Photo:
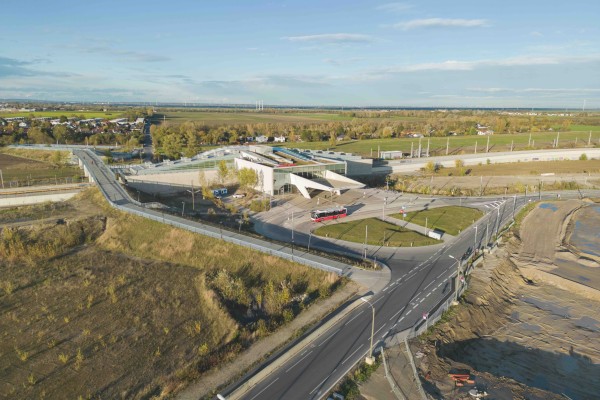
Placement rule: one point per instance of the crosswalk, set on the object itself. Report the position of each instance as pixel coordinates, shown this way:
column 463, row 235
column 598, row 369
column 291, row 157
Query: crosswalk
column 490, row 205
column 493, row 205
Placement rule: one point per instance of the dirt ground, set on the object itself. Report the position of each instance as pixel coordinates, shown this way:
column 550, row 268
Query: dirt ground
column 81, row 316
column 522, row 331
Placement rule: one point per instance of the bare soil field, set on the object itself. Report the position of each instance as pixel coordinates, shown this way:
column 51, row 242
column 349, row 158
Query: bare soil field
column 27, row 168
column 100, row 304
column 523, row 331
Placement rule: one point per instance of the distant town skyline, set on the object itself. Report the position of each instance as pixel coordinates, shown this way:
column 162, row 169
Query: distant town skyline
column 336, row 53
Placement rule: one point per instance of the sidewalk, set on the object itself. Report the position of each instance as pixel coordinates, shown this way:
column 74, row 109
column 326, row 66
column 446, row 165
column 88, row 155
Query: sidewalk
column 417, row 228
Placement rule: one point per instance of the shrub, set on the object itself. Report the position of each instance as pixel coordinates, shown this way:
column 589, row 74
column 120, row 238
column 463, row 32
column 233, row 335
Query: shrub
column 583, row 157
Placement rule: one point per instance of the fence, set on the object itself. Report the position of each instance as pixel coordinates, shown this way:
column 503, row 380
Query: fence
column 196, row 227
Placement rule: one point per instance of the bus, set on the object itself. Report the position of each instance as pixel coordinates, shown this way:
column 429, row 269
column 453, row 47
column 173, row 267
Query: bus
column 324, row 215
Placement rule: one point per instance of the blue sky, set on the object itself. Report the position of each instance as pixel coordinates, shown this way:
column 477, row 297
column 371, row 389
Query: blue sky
column 351, row 53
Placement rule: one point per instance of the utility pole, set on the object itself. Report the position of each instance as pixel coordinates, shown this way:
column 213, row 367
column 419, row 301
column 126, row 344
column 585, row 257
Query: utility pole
column 182, row 208
column 411, row 149
column 540, row 190
column 428, row 147
column 419, row 155
column 514, row 206
column 370, row 360
column 481, row 186
column 426, row 226
column 512, row 143
column 366, row 236
column 447, row 145
column 590, row 139
column 487, row 146
column 475, row 147
column 557, row 136
column 383, row 210
column 309, row 236
column 475, row 239
column 487, row 233
column 2, row 179
column 529, row 143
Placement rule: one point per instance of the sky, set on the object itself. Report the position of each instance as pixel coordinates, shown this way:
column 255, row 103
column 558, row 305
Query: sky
column 525, row 53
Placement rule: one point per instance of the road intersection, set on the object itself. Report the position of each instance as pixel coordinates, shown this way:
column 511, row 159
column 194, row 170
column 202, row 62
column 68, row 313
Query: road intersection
column 413, row 282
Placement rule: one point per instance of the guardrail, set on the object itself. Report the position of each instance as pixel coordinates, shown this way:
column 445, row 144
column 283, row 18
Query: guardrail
column 207, row 231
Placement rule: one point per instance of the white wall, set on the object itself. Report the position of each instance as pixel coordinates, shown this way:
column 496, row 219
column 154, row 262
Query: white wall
column 265, row 174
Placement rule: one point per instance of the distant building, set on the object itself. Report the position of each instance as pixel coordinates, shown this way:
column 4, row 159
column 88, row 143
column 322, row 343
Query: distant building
column 262, row 139
column 279, row 139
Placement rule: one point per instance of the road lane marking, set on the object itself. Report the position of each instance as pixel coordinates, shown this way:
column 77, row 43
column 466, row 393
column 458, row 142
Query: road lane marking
column 354, row 352
column 298, row 362
column 353, row 318
column 319, row 385
column 375, row 302
column 377, row 331
column 329, row 337
column 394, row 316
column 266, row 387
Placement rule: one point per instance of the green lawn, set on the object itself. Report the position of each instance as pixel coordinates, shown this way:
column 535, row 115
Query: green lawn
column 247, row 117
column 71, row 113
column 586, row 128
column 449, row 219
column 354, row 231
column 457, row 144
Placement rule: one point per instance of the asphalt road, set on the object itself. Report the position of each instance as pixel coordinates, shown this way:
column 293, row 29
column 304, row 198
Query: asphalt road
column 419, row 279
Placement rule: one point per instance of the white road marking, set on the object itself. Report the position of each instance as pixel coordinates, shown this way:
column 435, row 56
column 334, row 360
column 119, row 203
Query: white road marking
column 394, row 316
column 288, row 370
column 352, row 319
column 377, row 331
column 352, row 354
column 319, row 385
column 375, row 302
column 329, row 337
column 266, row 387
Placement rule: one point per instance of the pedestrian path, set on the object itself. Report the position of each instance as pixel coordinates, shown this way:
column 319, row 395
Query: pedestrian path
column 417, row 228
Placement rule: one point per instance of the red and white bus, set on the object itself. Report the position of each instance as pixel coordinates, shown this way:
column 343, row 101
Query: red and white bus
column 324, row 215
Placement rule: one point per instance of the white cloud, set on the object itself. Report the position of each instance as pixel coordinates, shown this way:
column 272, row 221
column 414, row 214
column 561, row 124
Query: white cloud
column 394, row 7
column 536, row 90
column 537, row 34
column 332, row 38
column 521, row 61
column 441, row 23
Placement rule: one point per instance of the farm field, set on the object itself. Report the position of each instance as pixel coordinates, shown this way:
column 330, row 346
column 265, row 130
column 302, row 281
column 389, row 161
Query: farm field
column 117, row 306
column 456, row 144
column 528, row 168
column 380, row 233
column 218, row 118
column 451, row 220
column 47, row 167
column 66, row 113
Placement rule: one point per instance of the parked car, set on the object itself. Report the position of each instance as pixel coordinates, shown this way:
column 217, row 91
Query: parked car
column 239, row 195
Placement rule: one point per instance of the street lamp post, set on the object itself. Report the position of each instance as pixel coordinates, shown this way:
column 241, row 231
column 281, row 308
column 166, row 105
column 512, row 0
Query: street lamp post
column 309, row 236
column 383, row 211
column 457, row 276
column 370, row 359
column 475, row 239
column 182, row 208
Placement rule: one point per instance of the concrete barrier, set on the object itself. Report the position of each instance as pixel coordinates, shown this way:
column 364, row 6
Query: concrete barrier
column 304, row 343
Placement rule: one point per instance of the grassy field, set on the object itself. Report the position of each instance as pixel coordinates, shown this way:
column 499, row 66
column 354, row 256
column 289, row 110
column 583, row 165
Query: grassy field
column 57, row 114
column 32, row 167
column 456, row 144
column 380, row 233
column 450, row 219
column 117, row 306
column 217, row 118
column 528, row 168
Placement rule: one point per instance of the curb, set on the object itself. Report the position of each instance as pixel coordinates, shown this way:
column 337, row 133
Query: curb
column 262, row 374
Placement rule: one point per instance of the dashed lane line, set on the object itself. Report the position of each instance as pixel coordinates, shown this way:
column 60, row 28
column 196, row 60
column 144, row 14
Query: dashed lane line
column 297, row 362
column 265, row 388
column 354, row 352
